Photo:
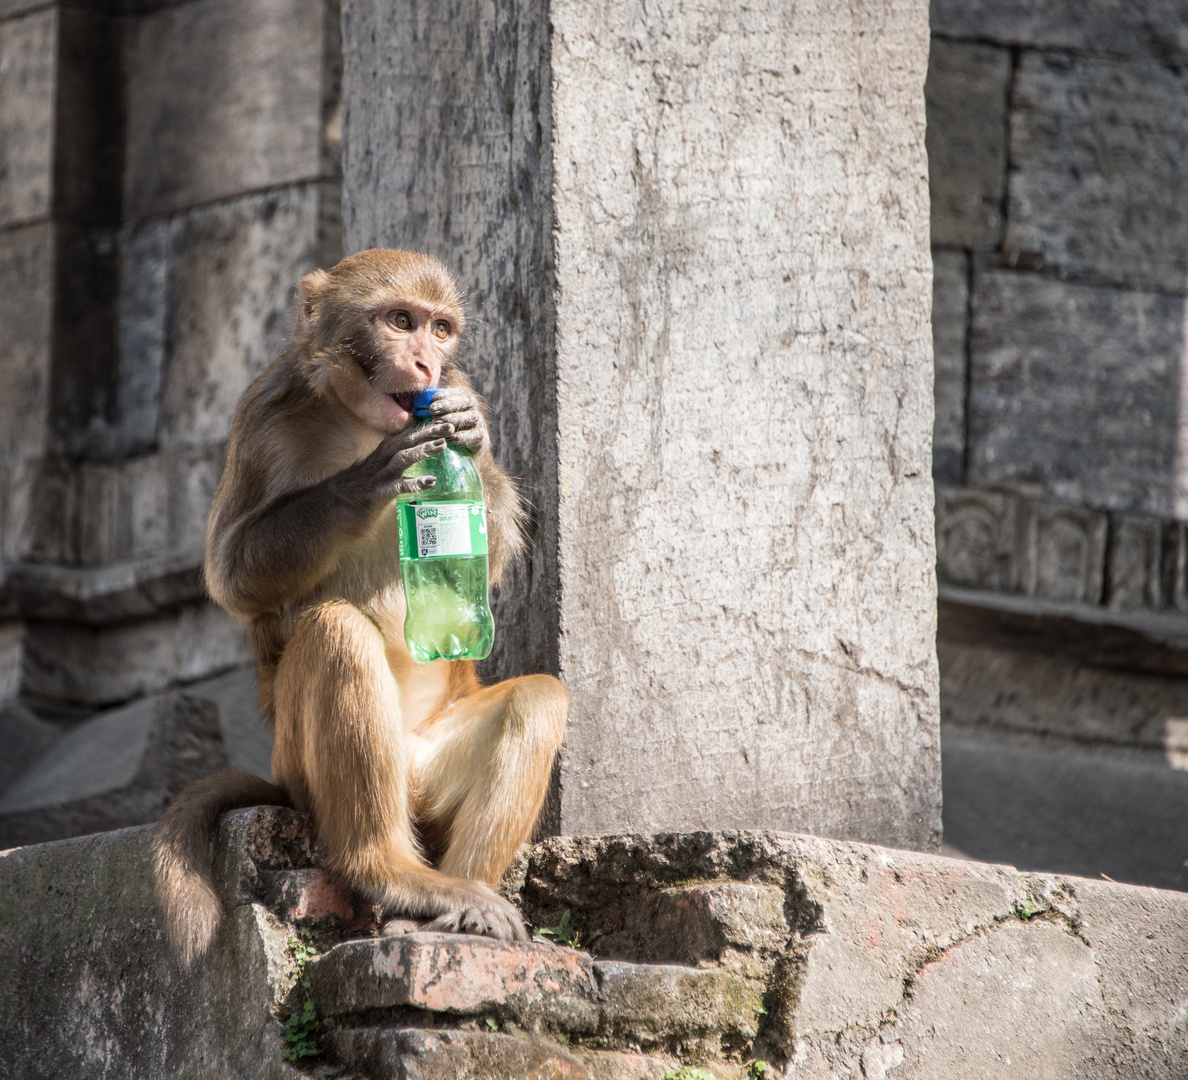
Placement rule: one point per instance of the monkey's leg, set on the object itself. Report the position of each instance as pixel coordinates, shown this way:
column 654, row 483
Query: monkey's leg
column 482, row 772
column 341, row 752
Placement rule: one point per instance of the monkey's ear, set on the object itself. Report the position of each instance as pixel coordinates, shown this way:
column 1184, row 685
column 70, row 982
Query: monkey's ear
column 311, row 285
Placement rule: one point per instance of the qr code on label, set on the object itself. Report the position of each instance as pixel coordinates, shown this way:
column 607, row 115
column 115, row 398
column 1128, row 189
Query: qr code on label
column 428, row 536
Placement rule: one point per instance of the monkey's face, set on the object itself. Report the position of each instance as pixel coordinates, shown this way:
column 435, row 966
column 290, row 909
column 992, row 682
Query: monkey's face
column 410, row 343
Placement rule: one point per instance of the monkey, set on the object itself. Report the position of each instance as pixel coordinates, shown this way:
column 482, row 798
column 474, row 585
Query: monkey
column 391, row 758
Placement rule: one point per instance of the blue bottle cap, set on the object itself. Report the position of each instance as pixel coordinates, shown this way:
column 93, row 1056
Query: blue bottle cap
column 422, row 400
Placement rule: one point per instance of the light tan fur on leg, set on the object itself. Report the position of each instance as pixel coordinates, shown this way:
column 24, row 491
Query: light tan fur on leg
column 482, row 771
column 342, row 751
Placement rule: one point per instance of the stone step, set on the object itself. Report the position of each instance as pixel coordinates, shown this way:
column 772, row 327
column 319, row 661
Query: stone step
column 458, row 974
column 442, row 1054
column 536, row 985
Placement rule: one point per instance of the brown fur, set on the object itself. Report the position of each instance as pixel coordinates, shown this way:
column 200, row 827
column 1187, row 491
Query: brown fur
column 302, row 543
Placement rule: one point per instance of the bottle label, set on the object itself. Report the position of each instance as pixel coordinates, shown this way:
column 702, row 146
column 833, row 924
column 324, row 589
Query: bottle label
column 442, row 529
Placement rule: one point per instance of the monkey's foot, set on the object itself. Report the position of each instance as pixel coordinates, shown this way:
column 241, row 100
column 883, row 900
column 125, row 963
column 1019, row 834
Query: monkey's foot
column 490, row 921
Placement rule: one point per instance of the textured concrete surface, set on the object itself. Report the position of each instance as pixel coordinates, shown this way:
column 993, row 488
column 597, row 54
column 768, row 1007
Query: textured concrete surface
column 742, row 384
column 889, row 964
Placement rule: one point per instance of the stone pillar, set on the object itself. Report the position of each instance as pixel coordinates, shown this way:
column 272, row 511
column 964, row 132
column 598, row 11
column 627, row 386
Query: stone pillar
column 695, row 238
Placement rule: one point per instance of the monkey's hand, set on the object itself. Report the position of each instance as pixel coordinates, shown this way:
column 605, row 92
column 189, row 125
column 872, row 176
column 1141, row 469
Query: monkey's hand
column 379, row 477
column 456, row 405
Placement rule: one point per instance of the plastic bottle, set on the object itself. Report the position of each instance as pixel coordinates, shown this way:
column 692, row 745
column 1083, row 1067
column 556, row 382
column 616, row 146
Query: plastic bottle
column 443, row 555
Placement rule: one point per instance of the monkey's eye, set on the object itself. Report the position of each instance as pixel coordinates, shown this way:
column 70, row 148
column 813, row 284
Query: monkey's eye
column 402, row 320
column 441, row 330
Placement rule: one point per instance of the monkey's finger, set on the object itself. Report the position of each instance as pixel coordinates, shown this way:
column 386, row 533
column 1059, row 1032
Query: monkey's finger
column 472, row 439
column 409, row 485
column 452, row 399
column 414, row 436
column 465, row 419
column 399, row 462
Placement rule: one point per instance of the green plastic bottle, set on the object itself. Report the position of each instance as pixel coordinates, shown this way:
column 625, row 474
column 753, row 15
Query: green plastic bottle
column 443, row 555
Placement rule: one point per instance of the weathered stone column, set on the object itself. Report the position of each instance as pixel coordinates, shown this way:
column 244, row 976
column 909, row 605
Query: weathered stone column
column 695, row 238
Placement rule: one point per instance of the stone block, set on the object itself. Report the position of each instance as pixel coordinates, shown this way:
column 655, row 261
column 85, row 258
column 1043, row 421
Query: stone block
column 966, row 94
column 950, row 318
column 978, row 536
column 1065, row 558
column 233, row 270
column 1156, row 28
column 28, row 80
column 698, row 185
column 315, row 898
column 223, row 97
column 705, row 922
column 68, row 665
column 458, row 974
column 666, row 1005
column 1099, row 167
column 1138, row 546
column 451, row 1055
column 1069, row 392
column 26, row 283
column 91, row 989
column 145, row 508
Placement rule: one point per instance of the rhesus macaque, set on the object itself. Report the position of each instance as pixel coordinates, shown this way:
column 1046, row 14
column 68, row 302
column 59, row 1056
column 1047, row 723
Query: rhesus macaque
column 390, row 757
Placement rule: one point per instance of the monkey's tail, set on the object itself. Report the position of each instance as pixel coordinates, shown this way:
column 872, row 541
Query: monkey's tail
column 182, row 873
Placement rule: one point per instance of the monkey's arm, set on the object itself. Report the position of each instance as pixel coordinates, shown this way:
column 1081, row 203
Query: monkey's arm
column 263, row 553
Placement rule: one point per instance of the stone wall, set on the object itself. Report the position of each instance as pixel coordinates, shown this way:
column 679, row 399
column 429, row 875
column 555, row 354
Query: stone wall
column 708, row 951
column 1058, row 153
column 167, row 171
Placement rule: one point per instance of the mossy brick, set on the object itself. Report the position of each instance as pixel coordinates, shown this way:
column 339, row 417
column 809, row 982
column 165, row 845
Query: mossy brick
column 667, row 1004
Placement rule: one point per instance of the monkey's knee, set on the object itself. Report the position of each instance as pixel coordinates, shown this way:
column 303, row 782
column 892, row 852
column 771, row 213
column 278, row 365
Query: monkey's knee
column 539, row 705
column 334, row 629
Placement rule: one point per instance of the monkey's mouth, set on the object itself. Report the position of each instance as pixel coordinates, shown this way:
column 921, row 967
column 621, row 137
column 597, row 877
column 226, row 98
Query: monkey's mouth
column 405, row 401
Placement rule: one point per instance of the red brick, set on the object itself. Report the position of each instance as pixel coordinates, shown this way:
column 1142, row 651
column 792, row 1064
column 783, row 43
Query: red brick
column 458, row 973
